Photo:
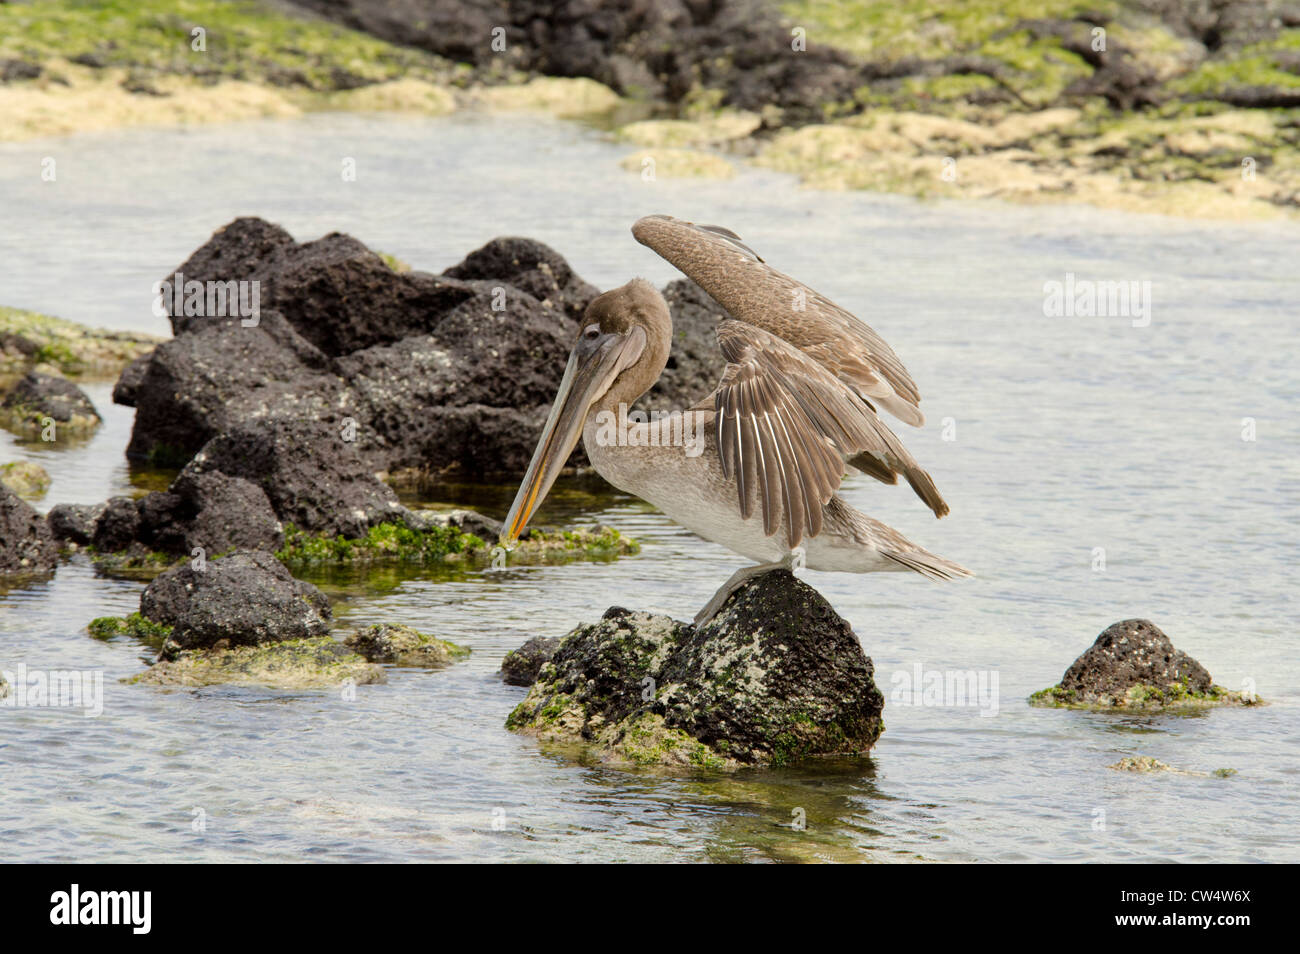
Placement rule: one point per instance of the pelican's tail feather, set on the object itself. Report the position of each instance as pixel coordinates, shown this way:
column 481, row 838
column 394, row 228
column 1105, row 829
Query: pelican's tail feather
column 928, row 564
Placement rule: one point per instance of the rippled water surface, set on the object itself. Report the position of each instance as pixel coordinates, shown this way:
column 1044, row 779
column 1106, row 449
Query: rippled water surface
column 1069, row 434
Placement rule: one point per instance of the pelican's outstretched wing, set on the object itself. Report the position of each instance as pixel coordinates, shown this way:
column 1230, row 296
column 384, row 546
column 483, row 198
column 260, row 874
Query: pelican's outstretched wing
column 757, row 294
column 784, row 426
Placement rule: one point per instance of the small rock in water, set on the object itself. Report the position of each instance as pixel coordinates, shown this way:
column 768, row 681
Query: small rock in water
column 521, row 666
column 245, row 599
column 776, row 676
column 26, row 544
column 75, row 523
column 404, row 646
column 1134, row 666
column 39, row 398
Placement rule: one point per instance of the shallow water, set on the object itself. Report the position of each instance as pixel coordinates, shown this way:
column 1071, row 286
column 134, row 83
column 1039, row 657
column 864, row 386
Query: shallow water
column 1070, row 434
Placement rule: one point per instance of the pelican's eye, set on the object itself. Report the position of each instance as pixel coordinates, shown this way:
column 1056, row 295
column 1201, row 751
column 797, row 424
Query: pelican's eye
column 591, row 332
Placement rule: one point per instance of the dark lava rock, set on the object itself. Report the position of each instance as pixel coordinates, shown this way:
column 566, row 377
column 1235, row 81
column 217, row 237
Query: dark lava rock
column 212, row 511
column 74, row 523
column 11, row 70
column 1131, row 653
column 118, row 526
column 26, row 545
column 128, row 383
column 39, row 395
column 431, row 373
column 1133, row 667
column 776, row 676
column 662, row 49
column 245, row 599
column 521, row 666
column 312, row 477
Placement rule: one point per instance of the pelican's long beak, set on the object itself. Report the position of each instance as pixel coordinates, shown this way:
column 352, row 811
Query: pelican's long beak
column 595, row 361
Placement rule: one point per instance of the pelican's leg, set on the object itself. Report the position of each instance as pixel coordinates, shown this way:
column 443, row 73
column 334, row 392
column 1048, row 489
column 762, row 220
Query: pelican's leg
column 738, row 579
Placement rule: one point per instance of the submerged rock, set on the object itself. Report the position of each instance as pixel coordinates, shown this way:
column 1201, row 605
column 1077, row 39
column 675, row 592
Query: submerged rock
column 38, row 398
column 521, row 666
column 295, row 664
column 1133, row 665
column 26, row 544
column 246, row 599
column 404, row 646
column 775, row 677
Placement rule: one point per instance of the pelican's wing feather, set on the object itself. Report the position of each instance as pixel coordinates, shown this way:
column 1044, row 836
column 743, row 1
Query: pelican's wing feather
column 785, row 426
column 757, row 294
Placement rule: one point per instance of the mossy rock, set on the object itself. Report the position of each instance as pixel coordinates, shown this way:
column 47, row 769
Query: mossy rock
column 316, row 663
column 28, row 338
column 134, row 625
column 776, row 677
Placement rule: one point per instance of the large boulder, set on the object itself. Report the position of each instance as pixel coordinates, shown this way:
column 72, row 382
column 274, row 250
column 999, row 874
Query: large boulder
column 26, row 544
column 245, row 599
column 428, row 372
column 776, row 676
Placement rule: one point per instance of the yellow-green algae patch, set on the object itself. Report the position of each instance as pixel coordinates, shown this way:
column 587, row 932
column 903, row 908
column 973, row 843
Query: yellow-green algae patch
column 717, row 128
column 650, row 164
column 554, row 95
column 28, row 338
column 27, row 479
column 1146, row 765
column 293, row 664
column 1173, row 699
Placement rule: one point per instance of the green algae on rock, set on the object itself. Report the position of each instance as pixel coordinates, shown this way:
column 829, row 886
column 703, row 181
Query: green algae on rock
column 1133, row 667
column 775, row 677
column 25, row 478
column 28, row 338
column 434, row 544
column 320, row 662
column 133, row 625
column 404, row 646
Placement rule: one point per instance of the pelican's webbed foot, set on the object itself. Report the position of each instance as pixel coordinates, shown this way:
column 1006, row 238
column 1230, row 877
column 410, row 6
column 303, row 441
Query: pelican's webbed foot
column 738, row 579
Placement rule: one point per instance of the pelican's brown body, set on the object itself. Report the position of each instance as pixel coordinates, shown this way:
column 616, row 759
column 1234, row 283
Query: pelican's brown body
column 755, row 465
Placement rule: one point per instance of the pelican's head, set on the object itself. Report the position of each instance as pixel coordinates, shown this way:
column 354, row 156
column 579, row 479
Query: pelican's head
column 621, row 349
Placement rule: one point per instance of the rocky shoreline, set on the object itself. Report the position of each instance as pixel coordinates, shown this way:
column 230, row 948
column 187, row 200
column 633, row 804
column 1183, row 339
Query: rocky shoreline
column 1142, row 105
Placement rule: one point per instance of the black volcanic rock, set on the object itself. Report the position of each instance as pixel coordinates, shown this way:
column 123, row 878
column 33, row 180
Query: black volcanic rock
column 776, row 676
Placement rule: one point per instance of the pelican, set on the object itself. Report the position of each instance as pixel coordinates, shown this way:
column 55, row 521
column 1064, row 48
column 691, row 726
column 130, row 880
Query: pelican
column 797, row 401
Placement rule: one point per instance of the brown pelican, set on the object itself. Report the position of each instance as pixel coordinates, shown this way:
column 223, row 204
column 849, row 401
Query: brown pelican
column 797, row 400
